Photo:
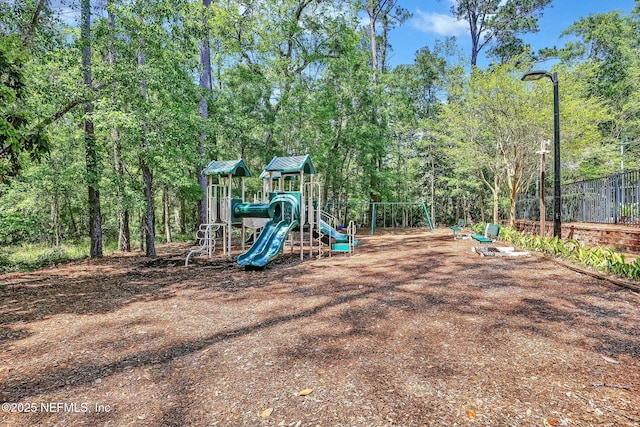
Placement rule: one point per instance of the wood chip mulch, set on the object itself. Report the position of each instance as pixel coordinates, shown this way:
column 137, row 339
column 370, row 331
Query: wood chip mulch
column 414, row 329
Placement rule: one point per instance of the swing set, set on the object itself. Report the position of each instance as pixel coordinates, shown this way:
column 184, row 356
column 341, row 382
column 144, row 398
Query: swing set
column 388, row 215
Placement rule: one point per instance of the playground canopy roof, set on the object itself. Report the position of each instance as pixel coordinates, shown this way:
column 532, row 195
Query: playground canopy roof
column 277, row 175
column 289, row 165
column 235, row 168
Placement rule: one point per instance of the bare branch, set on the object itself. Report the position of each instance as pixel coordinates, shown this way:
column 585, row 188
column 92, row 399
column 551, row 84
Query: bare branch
column 28, row 38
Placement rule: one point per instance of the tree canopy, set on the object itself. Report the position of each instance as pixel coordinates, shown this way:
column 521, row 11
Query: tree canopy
column 132, row 98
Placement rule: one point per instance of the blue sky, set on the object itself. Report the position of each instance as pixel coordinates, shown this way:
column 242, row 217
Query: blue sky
column 431, row 20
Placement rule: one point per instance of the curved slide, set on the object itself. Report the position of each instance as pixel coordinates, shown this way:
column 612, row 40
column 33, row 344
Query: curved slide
column 274, row 232
column 268, row 245
column 331, row 232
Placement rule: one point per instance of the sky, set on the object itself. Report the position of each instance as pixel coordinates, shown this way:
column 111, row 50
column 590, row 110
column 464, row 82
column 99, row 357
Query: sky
column 432, row 20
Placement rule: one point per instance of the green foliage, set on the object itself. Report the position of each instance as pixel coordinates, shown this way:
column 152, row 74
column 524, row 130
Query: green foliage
column 600, row 259
column 27, row 257
column 36, row 255
column 478, row 227
column 290, row 78
column 16, row 227
column 607, row 46
column 16, row 134
column 498, row 21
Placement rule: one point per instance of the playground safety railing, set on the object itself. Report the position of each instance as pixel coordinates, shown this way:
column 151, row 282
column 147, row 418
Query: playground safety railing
column 350, row 231
column 329, row 219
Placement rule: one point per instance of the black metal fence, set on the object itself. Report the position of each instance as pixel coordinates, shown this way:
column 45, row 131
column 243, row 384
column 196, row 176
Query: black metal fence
column 611, row 199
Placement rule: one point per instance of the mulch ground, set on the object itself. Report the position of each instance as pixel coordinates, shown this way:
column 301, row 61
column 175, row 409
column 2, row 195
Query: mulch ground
column 414, row 329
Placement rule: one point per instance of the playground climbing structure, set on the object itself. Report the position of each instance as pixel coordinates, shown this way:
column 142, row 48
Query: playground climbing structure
column 286, row 211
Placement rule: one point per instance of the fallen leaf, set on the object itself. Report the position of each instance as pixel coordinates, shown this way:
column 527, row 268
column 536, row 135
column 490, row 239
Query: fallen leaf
column 471, row 414
column 266, row 413
column 305, row 392
column 551, row 422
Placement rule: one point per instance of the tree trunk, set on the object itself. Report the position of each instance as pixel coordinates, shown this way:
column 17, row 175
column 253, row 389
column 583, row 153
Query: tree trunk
column 28, row 38
column 374, row 41
column 177, row 217
column 55, row 219
column 124, row 235
column 141, row 235
column 148, row 217
column 512, row 203
column 205, row 83
column 433, row 190
column 385, row 39
column 147, row 177
column 71, row 216
column 183, row 217
column 91, row 154
column 166, row 213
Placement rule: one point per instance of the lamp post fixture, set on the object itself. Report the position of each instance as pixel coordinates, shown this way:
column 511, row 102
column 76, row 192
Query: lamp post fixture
column 542, row 152
column 536, row 75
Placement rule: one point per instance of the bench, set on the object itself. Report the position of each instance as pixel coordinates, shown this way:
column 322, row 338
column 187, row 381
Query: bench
column 491, row 232
column 458, row 228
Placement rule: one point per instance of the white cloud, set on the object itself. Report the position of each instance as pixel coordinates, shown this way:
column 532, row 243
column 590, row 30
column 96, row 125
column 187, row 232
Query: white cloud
column 439, row 24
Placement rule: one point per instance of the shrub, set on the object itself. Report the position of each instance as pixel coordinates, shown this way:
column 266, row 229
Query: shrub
column 601, row 259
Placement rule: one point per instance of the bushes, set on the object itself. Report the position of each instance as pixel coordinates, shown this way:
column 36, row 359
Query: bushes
column 601, row 259
column 17, row 227
column 32, row 256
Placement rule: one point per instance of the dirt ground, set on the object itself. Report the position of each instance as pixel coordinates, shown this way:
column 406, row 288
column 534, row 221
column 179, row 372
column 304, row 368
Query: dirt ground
column 414, row 329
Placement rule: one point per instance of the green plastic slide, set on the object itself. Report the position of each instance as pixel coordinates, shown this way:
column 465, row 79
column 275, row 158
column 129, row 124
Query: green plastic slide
column 284, row 211
column 268, row 245
column 331, row 232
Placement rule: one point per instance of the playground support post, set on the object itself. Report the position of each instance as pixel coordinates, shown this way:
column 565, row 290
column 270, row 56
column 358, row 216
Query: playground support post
column 229, row 222
column 302, row 216
column 426, row 213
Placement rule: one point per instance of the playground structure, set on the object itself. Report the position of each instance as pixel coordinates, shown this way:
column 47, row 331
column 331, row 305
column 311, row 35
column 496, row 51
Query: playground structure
column 382, row 214
column 278, row 213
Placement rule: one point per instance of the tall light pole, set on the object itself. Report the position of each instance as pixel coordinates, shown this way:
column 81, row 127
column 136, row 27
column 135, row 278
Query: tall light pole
column 542, row 152
column 536, row 75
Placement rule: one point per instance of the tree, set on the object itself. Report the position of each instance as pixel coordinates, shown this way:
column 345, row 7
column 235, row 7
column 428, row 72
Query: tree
column 607, row 47
column 124, row 234
column 500, row 122
column 493, row 20
column 387, row 14
column 413, row 107
column 205, row 86
column 279, row 45
column 18, row 131
column 91, row 149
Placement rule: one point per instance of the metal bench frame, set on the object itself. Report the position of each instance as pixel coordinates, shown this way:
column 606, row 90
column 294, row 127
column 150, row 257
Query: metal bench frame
column 491, row 232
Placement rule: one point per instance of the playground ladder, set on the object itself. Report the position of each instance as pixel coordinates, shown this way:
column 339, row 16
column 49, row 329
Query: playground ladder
column 205, row 237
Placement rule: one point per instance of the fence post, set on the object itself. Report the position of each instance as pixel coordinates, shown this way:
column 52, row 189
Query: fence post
column 616, row 198
column 373, row 218
column 584, row 201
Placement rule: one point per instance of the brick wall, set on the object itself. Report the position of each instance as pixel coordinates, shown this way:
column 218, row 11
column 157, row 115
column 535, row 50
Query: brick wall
column 607, row 235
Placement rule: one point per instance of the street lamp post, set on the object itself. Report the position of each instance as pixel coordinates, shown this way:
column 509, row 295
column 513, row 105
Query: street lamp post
column 542, row 152
column 536, row 75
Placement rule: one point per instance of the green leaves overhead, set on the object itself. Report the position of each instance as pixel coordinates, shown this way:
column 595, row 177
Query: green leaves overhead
column 498, row 20
column 295, row 77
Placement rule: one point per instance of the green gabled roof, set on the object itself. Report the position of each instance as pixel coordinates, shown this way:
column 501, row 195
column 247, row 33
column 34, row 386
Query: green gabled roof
column 236, row 168
column 276, row 175
column 291, row 165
